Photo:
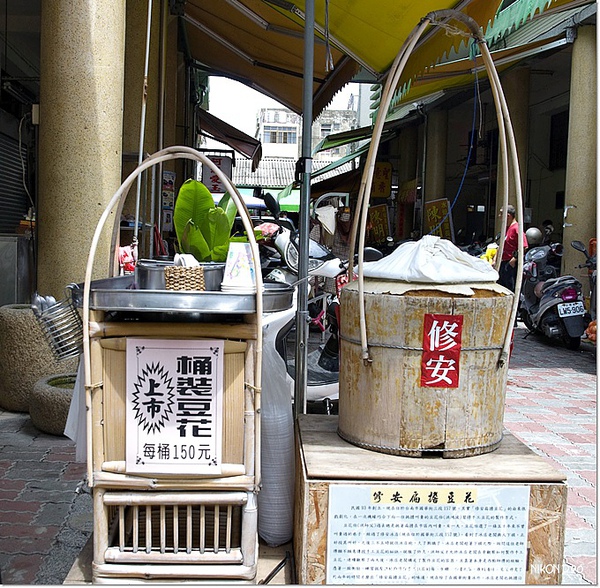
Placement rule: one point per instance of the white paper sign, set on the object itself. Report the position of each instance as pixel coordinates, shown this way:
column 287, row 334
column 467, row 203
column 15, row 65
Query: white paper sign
column 174, row 406
column 435, row 534
column 210, row 179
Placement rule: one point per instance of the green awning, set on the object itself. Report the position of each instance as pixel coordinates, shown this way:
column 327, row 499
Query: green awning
column 341, row 161
column 289, row 198
column 339, row 139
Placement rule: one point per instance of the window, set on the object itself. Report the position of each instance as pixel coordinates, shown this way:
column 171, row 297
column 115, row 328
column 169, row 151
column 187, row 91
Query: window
column 273, row 134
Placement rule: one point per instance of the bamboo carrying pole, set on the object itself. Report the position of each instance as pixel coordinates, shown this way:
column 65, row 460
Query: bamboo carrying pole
column 507, row 148
column 170, row 153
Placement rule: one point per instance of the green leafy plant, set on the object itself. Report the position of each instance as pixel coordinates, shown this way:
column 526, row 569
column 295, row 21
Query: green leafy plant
column 203, row 229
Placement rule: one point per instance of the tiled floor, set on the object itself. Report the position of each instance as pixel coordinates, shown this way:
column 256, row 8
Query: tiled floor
column 551, row 406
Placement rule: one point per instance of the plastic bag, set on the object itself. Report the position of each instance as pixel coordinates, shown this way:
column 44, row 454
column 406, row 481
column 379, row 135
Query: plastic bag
column 431, row 260
column 128, row 256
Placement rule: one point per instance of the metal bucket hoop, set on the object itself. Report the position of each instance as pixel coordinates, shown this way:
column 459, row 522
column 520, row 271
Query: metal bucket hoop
column 62, row 327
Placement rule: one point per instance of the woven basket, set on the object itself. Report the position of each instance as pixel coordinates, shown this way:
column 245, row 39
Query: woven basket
column 178, row 277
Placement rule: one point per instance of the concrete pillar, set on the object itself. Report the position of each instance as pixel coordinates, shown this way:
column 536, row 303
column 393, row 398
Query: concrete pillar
column 407, row 171
column 162, row 78
column 516, row 91
column 81, row 97
column 435, row 159
column 581, row 180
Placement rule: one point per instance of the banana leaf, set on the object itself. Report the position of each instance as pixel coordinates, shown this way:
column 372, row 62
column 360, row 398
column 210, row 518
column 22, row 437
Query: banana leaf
column 202, row 228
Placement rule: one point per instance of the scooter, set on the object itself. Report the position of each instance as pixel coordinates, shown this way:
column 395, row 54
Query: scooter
column 322, row 391
column 550, row 304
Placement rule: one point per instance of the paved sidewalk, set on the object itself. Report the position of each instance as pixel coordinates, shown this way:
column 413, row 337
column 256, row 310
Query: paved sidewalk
column 551, row 407
column 45, row 508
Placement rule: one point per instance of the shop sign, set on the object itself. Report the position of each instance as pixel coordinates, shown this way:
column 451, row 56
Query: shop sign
column 438, row 218
column 427, row 534
column 408, row 192
column 382, row 180
column 174, row 406
column 440, row 362
column 378, row 223
column 210, row 179
column 168, row 190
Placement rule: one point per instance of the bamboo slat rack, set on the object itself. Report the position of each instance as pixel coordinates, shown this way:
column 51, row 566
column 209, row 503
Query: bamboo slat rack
column 166, row 527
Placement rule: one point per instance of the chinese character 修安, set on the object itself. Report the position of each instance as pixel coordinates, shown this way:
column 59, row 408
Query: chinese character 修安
column 443, row 336
column 439, row 369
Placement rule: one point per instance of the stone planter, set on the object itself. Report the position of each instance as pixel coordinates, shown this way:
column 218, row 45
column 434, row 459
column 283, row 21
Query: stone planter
column 25, row 357
column 50, row 401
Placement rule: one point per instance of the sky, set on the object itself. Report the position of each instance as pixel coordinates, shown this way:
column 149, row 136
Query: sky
column 238, row 105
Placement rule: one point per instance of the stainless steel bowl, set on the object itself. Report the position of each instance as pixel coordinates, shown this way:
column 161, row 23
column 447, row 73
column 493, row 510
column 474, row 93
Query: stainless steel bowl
column 277, row 297
column 213, row 275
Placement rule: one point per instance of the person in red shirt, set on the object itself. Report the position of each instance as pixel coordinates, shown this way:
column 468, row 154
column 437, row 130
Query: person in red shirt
column 508, row 265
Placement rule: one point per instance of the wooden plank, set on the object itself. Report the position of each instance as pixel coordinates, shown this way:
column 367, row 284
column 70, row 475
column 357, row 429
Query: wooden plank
column 114, row 404
column 546, row 536
column 174, row 330
column 233, row 408
column 344, row 461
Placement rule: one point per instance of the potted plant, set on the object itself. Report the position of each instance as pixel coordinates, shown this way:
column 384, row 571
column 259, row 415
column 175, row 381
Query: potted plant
column 202, row 228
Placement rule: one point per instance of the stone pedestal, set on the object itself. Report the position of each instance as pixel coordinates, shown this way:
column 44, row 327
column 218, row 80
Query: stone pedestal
column 26, row 357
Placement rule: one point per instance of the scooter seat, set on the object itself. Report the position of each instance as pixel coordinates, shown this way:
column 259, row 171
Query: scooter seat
column 556, row 282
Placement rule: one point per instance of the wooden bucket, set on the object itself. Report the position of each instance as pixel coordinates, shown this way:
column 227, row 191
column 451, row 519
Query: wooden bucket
column 384, row 405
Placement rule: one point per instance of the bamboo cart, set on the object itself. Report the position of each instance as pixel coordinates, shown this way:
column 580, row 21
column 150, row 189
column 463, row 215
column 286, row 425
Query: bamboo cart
column 173, row 525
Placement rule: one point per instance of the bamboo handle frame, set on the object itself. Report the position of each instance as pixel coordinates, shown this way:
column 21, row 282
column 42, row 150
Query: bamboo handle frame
column 507, row 147
column 168, row 154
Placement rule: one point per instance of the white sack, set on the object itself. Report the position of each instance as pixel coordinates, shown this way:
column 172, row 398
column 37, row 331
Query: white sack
column 431, row 260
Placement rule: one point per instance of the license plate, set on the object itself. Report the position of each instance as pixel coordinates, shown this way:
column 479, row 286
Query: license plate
column 570, row 309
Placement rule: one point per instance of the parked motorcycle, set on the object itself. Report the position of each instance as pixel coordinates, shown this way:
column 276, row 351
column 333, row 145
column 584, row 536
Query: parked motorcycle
column 323, row 362
column 551, row 305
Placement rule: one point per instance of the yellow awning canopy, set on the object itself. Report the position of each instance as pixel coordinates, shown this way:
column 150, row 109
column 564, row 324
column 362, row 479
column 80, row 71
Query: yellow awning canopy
column 249, row 41
column 373, row 32
column 261, row 42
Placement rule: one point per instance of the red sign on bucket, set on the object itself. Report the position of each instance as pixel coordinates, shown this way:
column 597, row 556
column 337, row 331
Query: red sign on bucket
column 442, row 334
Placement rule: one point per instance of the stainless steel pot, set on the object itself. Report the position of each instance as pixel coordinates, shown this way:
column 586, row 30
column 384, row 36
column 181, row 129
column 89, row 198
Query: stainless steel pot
column 150, row 274
column 213, row 275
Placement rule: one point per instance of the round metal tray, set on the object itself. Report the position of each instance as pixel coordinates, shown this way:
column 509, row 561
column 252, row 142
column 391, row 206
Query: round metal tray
column 120, row 294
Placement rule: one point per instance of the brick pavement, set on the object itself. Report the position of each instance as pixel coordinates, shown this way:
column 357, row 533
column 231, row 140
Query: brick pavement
column 45, row 511
column 551, row 407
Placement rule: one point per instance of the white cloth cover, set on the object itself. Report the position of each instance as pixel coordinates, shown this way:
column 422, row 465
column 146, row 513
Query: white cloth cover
column 76, row 425
column 431, row 260
column 326, row 216
column 185, row 259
